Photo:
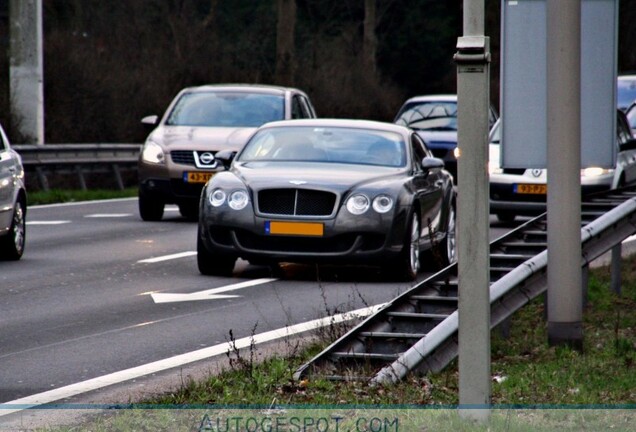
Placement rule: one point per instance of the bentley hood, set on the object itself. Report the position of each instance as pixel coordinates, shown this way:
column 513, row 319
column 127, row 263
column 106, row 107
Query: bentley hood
column 271, row 175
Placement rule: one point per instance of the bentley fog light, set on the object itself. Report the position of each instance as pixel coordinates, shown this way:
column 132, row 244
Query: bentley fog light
column 358, row 204
column 382, row 203
column 217, row 198
column 238, row 200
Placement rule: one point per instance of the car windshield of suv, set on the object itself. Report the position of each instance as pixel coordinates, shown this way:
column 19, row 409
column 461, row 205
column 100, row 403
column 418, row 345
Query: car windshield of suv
column 226, row 109
column 432, row 116
column 326, row 144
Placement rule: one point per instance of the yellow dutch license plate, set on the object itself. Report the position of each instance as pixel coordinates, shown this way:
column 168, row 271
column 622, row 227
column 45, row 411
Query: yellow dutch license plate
column 197, row 177
column 314, row 229
column 534, row 189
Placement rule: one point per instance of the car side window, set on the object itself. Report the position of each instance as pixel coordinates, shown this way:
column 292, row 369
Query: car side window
column 309, row 110
column 297, row 108
column 3, row 141
column 419, row 151
column 623, row 133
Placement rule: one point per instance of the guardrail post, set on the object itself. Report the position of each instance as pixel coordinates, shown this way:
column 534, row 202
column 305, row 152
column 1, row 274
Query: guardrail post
column 616, row 269
column 44, row 182
column 585, row 279
column 80, row 177
column 118, row 179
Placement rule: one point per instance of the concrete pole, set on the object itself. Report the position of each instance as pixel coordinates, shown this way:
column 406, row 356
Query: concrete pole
column 565, row 308
column 26, row 69
column 473, row 57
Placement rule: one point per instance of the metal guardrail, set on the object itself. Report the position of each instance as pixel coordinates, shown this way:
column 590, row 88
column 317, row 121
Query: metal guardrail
column 417, row 331
column 78, row 159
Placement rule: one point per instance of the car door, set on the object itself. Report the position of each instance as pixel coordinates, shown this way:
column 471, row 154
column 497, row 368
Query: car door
column 428, row 188
column 7, row 172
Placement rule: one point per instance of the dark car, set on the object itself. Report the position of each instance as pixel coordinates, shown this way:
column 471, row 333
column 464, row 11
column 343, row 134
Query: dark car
column 329, row 191
column 13, row 202
column 178, row 155
column 434, row 117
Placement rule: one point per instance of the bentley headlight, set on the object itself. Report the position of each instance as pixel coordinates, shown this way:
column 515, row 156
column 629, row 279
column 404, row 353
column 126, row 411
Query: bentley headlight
column 217, row 197
column 358, row 204
column 153, row 153
column 382, row 203
column 238, row 200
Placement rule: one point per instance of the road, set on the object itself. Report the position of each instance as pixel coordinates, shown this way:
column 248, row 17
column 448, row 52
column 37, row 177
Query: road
column 98, row 291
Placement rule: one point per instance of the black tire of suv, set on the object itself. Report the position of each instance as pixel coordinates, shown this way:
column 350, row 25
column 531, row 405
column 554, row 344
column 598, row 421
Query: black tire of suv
column 150, row 210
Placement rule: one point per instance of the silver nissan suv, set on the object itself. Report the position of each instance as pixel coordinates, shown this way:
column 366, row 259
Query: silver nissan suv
column 177, row 158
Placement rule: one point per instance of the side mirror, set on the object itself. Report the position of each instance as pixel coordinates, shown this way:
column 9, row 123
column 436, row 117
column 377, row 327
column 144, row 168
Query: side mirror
column 432, row 163
column 226, row 157
column 150, row 121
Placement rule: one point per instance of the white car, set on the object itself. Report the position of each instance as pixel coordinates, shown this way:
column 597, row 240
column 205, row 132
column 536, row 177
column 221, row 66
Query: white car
column 13, row 202
column 625, row 91
column 520, row 191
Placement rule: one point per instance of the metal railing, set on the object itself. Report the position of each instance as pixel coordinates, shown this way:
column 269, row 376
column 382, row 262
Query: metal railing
column 78, row 160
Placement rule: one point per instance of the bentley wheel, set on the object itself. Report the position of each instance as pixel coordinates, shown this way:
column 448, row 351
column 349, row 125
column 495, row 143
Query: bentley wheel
column 213, row 264
column 12, row 245
column 407, row 265
column 448, row 246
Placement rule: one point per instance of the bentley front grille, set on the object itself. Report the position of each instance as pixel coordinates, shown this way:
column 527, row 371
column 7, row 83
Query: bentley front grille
column 296, row 202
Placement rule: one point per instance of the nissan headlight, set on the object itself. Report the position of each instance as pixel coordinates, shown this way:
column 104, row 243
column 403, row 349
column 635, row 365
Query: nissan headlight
column 153, row 153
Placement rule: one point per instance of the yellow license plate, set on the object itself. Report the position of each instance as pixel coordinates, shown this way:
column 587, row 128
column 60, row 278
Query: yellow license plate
column 197, row 177
column 314, row 229
column 534, row 189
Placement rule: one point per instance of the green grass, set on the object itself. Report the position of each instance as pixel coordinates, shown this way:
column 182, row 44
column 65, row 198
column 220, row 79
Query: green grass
column 69, row 195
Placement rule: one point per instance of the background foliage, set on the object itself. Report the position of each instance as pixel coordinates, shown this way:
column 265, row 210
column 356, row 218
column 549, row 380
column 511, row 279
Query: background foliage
column 109, row 63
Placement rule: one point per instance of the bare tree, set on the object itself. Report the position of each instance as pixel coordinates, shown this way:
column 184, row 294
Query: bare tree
column 369, row 39
column 285, row 62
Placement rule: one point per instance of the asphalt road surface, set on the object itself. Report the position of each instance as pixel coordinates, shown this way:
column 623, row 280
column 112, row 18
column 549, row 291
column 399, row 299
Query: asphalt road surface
column 101, row 297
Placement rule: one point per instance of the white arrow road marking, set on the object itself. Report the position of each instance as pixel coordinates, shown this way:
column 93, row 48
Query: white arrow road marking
column 211, row 294
column 167, row 257
column 58, row 222
column 108, row 215
column 176, row 361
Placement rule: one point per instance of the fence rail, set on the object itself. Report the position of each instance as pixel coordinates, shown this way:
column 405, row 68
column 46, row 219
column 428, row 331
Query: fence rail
column 78, row 160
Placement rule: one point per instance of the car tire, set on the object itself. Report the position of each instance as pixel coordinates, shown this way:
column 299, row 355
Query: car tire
column 448, row 246
column 12, row 244
column 506, row 217
column 150, row 210
column 190, row 211
column 213, row 264
column 407, row 265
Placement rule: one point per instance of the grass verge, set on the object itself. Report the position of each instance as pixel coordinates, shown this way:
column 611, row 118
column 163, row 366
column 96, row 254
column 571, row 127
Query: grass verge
column 72, row 195
column 525, row 369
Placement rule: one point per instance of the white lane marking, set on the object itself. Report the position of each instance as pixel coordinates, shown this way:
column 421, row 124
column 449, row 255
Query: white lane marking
column 630, row 239
column 176, row 361
column 171, row 208
column 53, row 222
column 108, row 215
column 211, row 294
column 167, row 257
column 76, row 203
